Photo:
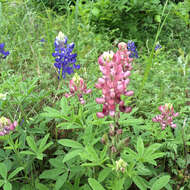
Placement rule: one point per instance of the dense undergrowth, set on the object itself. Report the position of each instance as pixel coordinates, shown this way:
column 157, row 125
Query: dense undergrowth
column 54, row 134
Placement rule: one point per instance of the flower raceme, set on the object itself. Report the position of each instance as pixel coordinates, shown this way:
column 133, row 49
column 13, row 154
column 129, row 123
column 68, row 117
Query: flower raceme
column 78, row 87
column 166, row 117
column 6, row 126
column 64, row 58
column 115, row 68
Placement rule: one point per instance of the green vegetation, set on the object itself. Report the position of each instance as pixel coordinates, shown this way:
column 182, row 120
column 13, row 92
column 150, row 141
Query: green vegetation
column 55, row 136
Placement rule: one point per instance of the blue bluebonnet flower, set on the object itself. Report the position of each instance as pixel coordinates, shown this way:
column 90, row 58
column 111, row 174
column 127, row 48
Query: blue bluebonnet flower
column 3, row 52
column 64, row 59
column 158, row 46
column 132, row 48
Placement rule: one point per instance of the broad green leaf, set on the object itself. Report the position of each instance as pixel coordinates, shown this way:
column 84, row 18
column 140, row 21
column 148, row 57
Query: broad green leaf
column 140, row 147
column 71, row 155
column 95, row 184
column 15, row 172
column 70, row 143
column 140, row 182
column 103, row 174
column 60, row 181
column 3, row 170
column 7, row 186
column 31, row 142
column 161, row 182
column 51, row 174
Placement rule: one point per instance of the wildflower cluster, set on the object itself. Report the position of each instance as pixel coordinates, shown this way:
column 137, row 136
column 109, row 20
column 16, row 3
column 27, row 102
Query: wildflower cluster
column 3, row 53
column 116, row 71
column 6, row 126
column 64, row 59
column 132, row 48
column 166, row 117
column 78, row 87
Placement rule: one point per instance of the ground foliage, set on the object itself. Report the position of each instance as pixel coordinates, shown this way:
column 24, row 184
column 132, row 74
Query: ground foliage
column 61, row 144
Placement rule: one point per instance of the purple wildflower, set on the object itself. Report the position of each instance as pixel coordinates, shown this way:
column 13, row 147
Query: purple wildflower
column 132, row 48
column 64, row 59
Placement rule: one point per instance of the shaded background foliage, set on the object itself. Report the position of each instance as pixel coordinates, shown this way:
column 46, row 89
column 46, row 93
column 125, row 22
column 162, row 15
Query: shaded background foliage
column 129, row 19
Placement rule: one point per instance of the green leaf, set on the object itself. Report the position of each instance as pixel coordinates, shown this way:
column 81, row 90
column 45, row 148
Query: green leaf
column 60, row 181
column 95, row 11
column 103, row 174
column 140, row 147
column 70, row 143
column 3, row 171
column 40, row 186
column 39, row 156
column 43, row 143
column 95, row 184
column 45, row 147
column 51, row 174
column 71, row 155
column 157, row 18
column 15, row 172
column 151, row 149
column 7, row 186
column 31, row 142
column 69, row 125
column 140, row 182
column 1, row 182
column 27, row 152
column 161, row 182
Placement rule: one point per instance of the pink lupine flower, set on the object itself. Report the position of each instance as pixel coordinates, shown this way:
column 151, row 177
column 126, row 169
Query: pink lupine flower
column 166, row 117
column 78, row 87
column 6, row 126
column 115, row 68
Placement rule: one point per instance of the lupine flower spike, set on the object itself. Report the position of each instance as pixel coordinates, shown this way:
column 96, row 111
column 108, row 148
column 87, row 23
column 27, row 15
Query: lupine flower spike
column 64, row 59
column 78, row 87
column 166, row 117
column 132, row 48
column 3, row 53
column 116, row 71
column 6, row 126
